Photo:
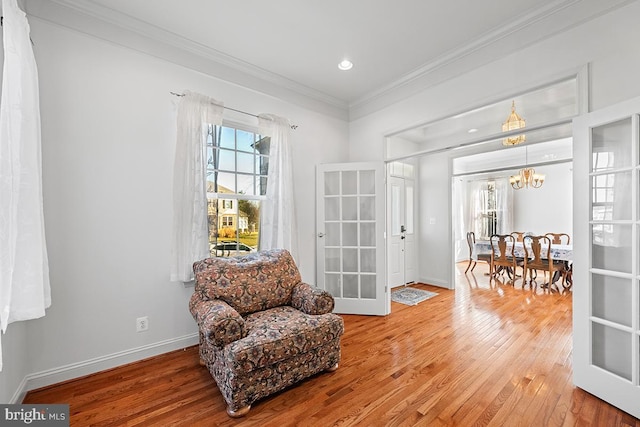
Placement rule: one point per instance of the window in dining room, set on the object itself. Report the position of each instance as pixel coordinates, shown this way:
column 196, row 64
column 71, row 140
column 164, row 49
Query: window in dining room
column 490, row 207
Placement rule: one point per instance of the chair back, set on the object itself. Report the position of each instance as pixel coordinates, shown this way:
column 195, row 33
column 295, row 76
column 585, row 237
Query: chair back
column 249, row 283
column 502, row 246
column 559, row 238
column 518, row 235
column 534, row 248
column 471, row 240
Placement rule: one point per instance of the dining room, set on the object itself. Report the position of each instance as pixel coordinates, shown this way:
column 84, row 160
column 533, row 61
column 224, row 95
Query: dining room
column 493, row 196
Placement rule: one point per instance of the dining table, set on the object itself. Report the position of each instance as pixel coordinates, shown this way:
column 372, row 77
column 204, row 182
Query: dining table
column 558, row 253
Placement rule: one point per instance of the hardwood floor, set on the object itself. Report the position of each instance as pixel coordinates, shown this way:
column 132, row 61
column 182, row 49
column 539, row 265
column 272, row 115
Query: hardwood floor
column 483, row 355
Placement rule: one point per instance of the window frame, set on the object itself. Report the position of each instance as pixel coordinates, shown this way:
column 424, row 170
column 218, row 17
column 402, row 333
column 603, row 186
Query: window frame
column 227, row 198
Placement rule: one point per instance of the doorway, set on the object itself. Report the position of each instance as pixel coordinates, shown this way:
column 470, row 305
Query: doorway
column 484, row 201
column 401, row 241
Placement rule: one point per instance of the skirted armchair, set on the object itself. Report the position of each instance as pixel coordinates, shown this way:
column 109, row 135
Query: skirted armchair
column 261, row 328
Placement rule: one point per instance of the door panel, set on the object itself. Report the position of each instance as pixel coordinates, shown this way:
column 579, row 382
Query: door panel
column 395, row 231
column 350, row 236
column 410, row 254
column 606, row 296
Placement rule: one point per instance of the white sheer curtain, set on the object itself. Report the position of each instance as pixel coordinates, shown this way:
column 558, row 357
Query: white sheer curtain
column 190, row 234
column 25, row 291
column 277, row 214
column 477, row 205
column 480, row 210
column 504, row 205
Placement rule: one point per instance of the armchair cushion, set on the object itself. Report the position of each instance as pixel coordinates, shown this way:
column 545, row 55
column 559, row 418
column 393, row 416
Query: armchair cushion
column 233, row 280
column 281, row 333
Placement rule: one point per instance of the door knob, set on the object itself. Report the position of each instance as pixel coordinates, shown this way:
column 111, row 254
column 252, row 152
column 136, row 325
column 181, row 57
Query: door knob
column 320, row 234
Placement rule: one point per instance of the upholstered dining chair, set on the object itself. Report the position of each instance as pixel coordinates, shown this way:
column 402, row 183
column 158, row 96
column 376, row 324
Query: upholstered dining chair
column 502, row 257
column 471, row 241
column 559, row 238
column 534, row 248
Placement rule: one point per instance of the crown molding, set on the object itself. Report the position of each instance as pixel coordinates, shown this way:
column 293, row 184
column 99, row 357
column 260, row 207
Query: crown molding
column 528, row 29
column 107, row 24
column 102, row 22
column 482, row 42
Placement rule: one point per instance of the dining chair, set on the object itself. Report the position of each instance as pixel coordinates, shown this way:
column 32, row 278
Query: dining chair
column 534, row 248
column 559, row 238
column 502, row 257
column 471, row 241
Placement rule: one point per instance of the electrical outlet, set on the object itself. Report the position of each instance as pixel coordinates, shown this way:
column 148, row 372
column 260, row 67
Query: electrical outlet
column 142, row 324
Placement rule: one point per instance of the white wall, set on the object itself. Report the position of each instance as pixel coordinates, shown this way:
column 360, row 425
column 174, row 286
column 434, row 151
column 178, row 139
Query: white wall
column 108, row 134
column 15, row 363
column 608, row 44
column 434, row 220
column 548, row 209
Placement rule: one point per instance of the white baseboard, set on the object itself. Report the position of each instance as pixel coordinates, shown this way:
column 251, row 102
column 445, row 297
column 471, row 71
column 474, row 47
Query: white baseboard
column 91, row 366
column 435, row 282
column 20, row 393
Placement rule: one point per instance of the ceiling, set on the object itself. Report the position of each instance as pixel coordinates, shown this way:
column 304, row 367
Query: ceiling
column 298, row 44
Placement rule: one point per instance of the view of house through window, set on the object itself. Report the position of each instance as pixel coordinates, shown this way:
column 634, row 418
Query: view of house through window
column 237, row 164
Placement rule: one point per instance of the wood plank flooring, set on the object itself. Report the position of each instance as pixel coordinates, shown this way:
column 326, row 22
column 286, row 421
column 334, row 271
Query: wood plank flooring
column 486, row 354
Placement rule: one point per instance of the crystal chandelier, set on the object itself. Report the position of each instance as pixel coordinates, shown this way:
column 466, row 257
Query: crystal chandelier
column 513, row 122
column 526, row 177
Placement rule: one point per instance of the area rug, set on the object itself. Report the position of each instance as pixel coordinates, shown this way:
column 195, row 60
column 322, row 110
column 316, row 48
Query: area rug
column 410, row 296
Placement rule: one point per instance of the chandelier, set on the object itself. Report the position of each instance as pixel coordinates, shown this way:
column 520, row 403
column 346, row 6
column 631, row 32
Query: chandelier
column 513, row 122
column 526, row 177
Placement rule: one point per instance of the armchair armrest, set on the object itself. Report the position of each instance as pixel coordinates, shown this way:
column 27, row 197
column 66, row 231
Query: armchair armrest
column 311, row 300
column 218, row 321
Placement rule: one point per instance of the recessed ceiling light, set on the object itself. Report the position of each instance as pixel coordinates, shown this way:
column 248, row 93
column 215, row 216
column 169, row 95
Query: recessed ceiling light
column 472, row 130
column 345, row 65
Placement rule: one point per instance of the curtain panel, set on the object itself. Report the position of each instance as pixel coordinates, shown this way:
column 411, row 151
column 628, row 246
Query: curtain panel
column 190, row 231
column 277, row 215
column 25, row 290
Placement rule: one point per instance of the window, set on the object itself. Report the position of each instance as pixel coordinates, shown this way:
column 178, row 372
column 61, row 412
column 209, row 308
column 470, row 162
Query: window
column 486, row 219
column 227, row 221
column 237, row 166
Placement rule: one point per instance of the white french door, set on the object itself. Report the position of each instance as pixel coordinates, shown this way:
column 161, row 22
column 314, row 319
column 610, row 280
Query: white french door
column 350, row 236
column 606, row 296
column 401, row 243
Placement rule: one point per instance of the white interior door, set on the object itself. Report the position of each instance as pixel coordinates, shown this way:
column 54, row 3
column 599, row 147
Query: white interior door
column 350, row 237
column 401, row 246
column 395, row 231
column 606, row 297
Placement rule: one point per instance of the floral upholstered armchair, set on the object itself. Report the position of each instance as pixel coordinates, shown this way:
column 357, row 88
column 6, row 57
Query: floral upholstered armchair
column 261, row 328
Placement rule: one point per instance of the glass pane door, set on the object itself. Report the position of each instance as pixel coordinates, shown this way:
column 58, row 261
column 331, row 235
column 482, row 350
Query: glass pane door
column 613, row 225
column 606, row 295
column 350, row 214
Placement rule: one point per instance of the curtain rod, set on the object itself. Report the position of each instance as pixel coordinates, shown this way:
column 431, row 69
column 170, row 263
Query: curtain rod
column 294, row 127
